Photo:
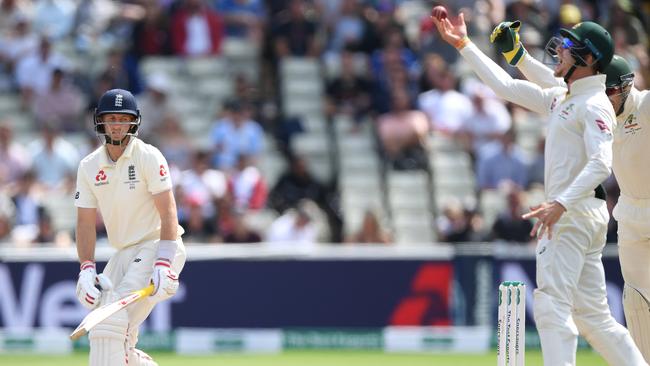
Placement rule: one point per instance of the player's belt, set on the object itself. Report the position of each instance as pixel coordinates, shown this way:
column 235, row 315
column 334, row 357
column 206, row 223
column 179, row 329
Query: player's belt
column 600, row 192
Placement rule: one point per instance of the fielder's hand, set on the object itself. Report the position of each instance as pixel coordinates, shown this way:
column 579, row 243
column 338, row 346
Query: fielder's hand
column 453, row 33
column 90, row 285
column 505, row 38
column 547, row 214
column 164, row 279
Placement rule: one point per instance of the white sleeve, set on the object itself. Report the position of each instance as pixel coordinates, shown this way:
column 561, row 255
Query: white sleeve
column 598, row 124
column 157, row 172
column 521, row 92
column 538, row 73
column 84, row 196
column 644, row 105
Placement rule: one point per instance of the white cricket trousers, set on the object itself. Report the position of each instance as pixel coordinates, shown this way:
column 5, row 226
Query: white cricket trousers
column 571, row 295
column 130, row 270
column 633, row 216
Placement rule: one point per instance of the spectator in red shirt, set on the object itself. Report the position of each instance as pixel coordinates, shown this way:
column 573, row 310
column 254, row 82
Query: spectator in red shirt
column 196, row 30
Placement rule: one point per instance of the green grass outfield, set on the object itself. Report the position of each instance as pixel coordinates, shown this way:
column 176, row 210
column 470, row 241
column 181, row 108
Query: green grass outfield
column 304, row 358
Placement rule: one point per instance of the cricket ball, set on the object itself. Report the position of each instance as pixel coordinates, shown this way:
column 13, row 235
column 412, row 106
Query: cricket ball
column 439, row 12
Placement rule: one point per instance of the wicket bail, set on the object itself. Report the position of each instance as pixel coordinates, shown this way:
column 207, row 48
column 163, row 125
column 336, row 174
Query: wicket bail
column 511, row 324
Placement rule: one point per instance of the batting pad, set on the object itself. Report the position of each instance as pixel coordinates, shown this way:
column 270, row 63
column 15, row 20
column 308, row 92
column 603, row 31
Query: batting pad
column 108, row 341
column 637, row 316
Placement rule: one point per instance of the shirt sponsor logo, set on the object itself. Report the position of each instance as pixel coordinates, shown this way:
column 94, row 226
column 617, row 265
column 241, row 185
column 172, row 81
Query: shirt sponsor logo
column 630, row 126
column 101, row 178
column 602, row 125
column 163, row 173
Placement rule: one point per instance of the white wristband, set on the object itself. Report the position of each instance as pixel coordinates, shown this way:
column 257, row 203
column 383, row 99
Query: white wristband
column 167, row 249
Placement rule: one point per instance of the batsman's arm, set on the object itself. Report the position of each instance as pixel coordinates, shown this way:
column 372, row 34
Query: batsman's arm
column 166, row 206
column 86, row 233
column 86, row 203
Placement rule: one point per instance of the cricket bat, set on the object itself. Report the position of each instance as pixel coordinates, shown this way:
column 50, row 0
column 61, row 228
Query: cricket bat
column 100, row 314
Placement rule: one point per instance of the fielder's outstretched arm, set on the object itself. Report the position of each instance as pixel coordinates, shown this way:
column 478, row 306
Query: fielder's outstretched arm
column 521, row 92
column 538, row 73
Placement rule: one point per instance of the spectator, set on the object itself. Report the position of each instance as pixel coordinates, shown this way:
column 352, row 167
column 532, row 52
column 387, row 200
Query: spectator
column 174, row 144
column 14, row 158
column 509, row 226
column 26, row 199
column 459, row 224
column 196, row 30
column 155, row 105
column 403, row 131
column 92, row 21
column 234, row 135
column 150, row 35
column 349, row 93
column 501, row 164
column 17, row 42
column 61, row 105
column 294, row 34
column 11, row 11
column 243, row 18
column 295, row 228
column 54, row 18
column 371, row 231
column 203, row 185
column 241, row 233
column 488, row 121
column 199, row 228
column 295, row 185
column 54, row 159
column 33, row 73
column 347, row 28
column 247, row 186
column 45, row 231
column 446, row 108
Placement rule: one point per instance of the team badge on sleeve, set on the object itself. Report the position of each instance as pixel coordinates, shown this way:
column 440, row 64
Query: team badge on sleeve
column 163, row 170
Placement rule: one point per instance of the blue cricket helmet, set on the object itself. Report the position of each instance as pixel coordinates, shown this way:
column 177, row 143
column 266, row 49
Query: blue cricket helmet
column 116, row 101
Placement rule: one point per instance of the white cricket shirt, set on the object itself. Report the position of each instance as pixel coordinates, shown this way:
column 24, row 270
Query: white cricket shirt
column 631, row 146
column 578, row 150
column 123, row 191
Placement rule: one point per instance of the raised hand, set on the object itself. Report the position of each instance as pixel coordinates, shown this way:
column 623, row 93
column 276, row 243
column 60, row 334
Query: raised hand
column 453, row 33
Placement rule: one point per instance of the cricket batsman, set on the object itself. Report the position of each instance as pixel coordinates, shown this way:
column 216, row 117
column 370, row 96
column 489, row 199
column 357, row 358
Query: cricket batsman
column 570, row 297
column 128, row 181
column 630, row 151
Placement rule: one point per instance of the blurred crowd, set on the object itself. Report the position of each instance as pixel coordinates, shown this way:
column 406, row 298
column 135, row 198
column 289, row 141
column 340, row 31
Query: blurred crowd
column 392, row 72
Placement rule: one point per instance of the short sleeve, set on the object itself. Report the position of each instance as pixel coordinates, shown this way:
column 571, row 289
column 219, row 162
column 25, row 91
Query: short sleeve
column 157, row 172
column 84, row 196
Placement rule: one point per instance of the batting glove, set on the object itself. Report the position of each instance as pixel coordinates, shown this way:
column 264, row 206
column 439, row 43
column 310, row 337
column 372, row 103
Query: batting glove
column 164, row 279
column 505, row 37
column 90, row 285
